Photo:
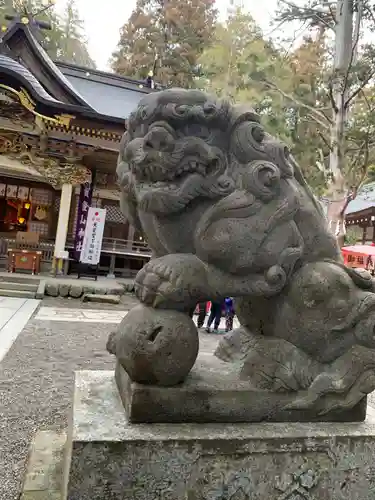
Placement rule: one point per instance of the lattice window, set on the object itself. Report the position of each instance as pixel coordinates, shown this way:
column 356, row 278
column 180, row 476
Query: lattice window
column 39, row 227
column 96, row 203
column 56, row 206
column 114, row 214
column 41, row 196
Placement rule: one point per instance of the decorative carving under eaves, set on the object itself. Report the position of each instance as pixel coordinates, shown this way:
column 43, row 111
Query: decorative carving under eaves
column 55, row 172
column 15, row 113
column 105, row 180
column 28, row 103
column 10, row 142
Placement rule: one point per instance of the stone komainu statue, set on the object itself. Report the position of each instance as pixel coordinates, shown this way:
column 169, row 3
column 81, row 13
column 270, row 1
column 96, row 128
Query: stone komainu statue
column 226, row 212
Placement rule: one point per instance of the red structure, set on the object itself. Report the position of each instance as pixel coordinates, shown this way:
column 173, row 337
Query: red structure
column 359, row 256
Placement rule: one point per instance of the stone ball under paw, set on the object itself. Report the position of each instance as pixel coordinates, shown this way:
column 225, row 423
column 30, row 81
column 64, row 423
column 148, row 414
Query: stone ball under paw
column 155, row 346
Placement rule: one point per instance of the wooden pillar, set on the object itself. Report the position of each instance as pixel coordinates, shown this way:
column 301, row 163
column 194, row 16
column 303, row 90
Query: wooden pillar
column 130, row 236
column 373, row 228
column 112, row 264
column 51, row 216
column 364, row 235
column 62, row 227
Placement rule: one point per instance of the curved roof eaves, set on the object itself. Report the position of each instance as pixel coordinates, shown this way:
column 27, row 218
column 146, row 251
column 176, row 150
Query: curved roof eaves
column 19, row 77
column 14, row 68
column 55, row 70
column 46, row 60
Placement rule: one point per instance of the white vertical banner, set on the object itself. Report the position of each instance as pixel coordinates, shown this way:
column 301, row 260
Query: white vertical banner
column 92, row 241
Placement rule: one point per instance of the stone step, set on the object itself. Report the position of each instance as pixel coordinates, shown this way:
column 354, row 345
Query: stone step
column 104, row 299
column 28, row 287
column 14, row 278
column 44, row 476
column 22, row 294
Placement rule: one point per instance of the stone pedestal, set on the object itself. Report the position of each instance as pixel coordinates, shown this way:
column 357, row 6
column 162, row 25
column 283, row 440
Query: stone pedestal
column 114, row 460
column 213, row 392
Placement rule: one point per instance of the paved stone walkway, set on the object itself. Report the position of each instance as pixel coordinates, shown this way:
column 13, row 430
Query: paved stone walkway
column 81, row 315
column 14, row 315
column 36, row 382
column 36, row 375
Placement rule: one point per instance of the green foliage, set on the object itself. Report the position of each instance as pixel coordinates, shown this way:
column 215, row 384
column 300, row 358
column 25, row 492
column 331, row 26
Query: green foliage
column 241, row 64
column 65, row 41
column 6, row 7
column 73, row 46
column 358, row 148
column 236, row 65
column 168, row 36
column 370, row 174
column 350, row 238
column 291, row 91
column 306, row 87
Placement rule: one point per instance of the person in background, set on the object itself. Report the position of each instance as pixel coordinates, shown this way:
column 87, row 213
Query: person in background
column 215, row 315
column 202, row 306
column 201, row 313
column 229, row 314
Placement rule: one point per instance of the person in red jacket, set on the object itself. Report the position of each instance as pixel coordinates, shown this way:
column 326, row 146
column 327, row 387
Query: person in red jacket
column 202, row 306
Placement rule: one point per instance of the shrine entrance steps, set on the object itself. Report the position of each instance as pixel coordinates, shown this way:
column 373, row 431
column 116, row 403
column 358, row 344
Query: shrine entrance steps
column 22, row 287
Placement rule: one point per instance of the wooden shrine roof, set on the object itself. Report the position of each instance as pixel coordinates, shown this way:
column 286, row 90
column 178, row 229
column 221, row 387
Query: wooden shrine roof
column 16, row 78
column 108, row 93
column 64, row 88
column 363, row 204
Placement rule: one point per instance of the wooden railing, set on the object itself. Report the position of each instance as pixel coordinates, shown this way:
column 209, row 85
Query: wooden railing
column 114, row 245
column 3, row 246
column 120, row 247
column 111, row 247
column 46, row 247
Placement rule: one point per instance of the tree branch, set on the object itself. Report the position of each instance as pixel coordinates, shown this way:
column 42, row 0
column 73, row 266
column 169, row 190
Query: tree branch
column 359, row 89
column 332, row 13
column 318, row 117
column 369, row 12
column 325, row 140
column 304, row 13
column 320, row 164
column 359, row 184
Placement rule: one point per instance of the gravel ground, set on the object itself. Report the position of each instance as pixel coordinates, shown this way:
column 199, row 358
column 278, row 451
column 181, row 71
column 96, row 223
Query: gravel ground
column 36, row 381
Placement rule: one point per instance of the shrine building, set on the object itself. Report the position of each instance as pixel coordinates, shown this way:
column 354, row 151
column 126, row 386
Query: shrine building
column 60, row 129
column 360, row 216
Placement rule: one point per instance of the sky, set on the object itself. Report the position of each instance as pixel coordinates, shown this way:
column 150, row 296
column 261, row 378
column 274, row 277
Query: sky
column 103, row 20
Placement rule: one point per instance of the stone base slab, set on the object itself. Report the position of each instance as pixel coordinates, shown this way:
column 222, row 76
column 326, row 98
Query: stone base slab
column 103, row 299
column 213, row 392
column 44, row 475
column 112, row 459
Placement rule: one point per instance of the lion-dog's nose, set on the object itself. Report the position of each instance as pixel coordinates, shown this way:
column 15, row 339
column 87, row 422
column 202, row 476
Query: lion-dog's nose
column 157, row 139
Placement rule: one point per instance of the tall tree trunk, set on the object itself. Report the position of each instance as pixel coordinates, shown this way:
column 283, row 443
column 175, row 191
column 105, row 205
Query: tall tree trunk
column 345, row 49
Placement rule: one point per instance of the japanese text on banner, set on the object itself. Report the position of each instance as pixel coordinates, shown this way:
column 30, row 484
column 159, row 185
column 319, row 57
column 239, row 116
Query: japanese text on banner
column 93, row 238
